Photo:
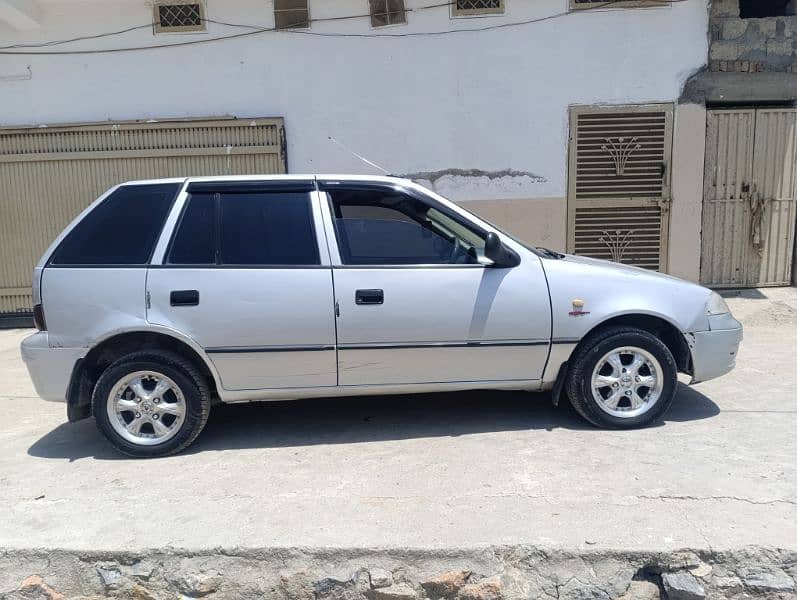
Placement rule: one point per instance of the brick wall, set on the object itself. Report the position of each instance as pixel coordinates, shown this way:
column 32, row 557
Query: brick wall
column 751, row 45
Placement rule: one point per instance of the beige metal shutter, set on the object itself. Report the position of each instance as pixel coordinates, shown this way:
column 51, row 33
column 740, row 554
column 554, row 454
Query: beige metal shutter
column 749, row 205
column 726, row 198
column 619, row 191
column 49, row 174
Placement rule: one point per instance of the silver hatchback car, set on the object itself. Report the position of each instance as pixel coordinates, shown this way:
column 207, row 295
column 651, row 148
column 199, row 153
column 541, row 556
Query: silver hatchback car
column 167, row 296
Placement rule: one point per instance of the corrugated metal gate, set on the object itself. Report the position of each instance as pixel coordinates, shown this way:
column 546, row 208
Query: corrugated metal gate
column 49, row 174
column 749, row 207
column 619, row 183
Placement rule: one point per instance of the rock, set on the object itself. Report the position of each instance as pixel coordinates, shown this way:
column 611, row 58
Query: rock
column 641, row 590
column 199, row 584
column 381, row 578
column 727, row 583
column 298, row 586
column 361, row 580
column 139, row 592
column 142, row 570
column 446, row 585
column 682, row 586
column 683, row 560
column 334, row 589
column 486, row 589
column 400, row 591
column 702, row 570
column 769, row 582
column 36, row 585
column 575, row 589
column 110, row 575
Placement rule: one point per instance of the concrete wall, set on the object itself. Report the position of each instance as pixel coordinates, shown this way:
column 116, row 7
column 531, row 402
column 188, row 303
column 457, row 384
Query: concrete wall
column 481, row 117
column 689, row 147
column 751, row 45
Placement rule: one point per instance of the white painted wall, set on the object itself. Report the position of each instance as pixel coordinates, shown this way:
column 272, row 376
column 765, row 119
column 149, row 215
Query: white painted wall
column 491, row 100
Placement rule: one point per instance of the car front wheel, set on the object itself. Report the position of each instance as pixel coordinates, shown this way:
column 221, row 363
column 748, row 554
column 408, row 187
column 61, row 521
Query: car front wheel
column 151, row 403
column 621, row 378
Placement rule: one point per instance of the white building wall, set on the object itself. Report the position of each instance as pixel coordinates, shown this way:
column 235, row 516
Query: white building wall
column 438, row 106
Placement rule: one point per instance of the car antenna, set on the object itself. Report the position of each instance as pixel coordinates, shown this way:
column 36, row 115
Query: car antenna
column 362, row 158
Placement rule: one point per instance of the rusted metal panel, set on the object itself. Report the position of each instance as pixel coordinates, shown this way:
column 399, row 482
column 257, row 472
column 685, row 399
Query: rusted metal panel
column 619, row 183
column 48, row 175
column 749, row 198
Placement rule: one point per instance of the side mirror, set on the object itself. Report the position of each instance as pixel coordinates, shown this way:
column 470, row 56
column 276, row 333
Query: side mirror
column 496, row 251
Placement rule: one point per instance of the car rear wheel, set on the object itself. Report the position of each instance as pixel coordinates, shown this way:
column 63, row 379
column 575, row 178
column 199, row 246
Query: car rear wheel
column 621, row 378
column 151, row 403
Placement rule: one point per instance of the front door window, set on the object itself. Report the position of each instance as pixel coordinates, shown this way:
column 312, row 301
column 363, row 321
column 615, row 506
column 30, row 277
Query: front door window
column 387, row 227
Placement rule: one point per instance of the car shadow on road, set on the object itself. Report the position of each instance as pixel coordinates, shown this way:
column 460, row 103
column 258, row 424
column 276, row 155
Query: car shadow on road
column 364, row 419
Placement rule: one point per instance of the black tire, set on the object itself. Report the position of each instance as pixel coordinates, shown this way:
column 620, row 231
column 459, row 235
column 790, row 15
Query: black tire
column 578, row 383
column 192, row 384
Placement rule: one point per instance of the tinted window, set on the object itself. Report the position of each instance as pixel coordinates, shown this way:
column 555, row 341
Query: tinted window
column 267, row 229
column 194, row 242
column 259, row 228
column 392, row 228
column 121, row 230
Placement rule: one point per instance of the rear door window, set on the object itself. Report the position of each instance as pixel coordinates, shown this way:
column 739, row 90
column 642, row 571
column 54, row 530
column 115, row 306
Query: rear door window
column 121, row 230
column 195, row 241
column 247, row 229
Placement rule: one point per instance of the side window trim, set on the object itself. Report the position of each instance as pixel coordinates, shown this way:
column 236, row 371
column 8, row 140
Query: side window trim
column 331, row 222
column 172, row 226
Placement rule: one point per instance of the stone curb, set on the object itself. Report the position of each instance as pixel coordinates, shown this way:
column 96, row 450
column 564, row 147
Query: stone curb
column 489, row 573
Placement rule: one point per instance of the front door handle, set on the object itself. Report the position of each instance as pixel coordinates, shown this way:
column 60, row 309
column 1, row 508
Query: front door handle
column 369, row 297
column 184, row 298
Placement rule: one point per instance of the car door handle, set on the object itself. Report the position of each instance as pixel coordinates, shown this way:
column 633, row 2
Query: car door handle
column 184, row 298
column 369, row 297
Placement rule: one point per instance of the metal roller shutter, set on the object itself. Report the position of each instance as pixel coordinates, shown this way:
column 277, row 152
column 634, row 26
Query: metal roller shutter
column 49, row 174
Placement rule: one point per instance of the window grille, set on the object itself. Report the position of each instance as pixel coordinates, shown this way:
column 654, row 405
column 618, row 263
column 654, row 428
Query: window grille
column 587, row 4
column 291, row 14
column 477, row 7
column 387, row 12
column 178, row 15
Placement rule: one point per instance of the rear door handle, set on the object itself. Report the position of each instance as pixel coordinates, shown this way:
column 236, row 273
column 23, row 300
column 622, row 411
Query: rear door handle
column 184, row 298
column 369, row 297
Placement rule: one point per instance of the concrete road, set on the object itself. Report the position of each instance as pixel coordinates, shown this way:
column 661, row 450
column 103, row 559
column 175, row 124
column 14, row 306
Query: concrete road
column 453, row 470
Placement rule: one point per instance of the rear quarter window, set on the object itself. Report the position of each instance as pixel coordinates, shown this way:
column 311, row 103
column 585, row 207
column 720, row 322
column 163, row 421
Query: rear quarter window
column 121, row 230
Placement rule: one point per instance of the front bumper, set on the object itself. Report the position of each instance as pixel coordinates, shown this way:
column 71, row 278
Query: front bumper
column 714, row 352
column 49, row 368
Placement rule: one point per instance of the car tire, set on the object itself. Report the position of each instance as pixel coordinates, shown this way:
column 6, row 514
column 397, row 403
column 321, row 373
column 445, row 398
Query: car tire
column 622, row 378
column 151, row 403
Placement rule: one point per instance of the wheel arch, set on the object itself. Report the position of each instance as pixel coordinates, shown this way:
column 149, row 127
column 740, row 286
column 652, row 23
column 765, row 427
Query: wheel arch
column 114, row 346
column 656, row 325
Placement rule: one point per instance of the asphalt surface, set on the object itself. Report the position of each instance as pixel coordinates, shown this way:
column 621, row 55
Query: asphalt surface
column 431, row 471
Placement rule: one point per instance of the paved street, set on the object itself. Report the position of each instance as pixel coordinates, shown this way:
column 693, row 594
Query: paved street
column 453, row 470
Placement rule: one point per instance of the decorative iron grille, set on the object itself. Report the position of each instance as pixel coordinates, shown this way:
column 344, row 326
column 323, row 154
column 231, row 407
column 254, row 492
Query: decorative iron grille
column 478, row 7
column 387, row 12
column 179, row 16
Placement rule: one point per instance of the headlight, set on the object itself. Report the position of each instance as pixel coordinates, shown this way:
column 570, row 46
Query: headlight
column 716, row 305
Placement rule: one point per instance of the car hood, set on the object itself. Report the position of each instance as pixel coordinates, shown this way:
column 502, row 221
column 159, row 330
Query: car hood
column 621, row 270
